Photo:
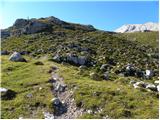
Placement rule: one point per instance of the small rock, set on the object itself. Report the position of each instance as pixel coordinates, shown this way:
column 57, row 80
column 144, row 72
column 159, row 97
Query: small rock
column 82, row 67
column 132, row 82
column 54, row 68
column 5, row 52
column 59, row 87
column 151, row 87
column 158, row 88
column 148, row 74
column 55, row 76
column 140, row 84
column 56, row 101
column 89, row 111
column 20, row 118
column 57, row 58
column 29, row 95
column 3, row 90
column 16, row 57
column 156, row 82
column 106, row 75
column 7, row 94
column 94, row 76
column 48, row 115
column 40, row 88
column 104, row 67
column 130, row 70
column 38, row 63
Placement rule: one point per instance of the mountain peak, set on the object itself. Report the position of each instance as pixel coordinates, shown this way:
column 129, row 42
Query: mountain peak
column 47, row 24
column 149, row 26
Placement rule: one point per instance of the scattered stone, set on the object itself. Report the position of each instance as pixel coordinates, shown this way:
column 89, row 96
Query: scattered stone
column 48, row 115
column 140, row 84
column 97, row 93
column 55, row 76
column 3, row 90
column 156, row 82
column 121, row 74
column 38, row 63
column 20, row 118
column 57, row 58
column 132, row 82
column 5, row 52
column 151, row 87
column 158, row 88
column 94, row 76
column 149, row 74
column 139, row 73
column 59, row 87
column 104, row 67
column 82, row 67
column 16, row 57
column 24, row 52
column 29, row 95
column 7, row 94
column 54, row 68
column 56, row 101
column 130, row 70
column 89, row 111
column 40, row 88
column 106, row 76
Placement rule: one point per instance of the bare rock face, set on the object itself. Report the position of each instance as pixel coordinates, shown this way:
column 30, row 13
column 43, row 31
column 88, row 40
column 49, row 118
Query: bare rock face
column 16, row 57
column 34, row 27
column 22, row 26
column 78, row 60
column 19, row 23
column 5, row 33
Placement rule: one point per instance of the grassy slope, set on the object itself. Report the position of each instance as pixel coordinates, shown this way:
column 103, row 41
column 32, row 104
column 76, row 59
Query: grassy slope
column 149, row 38
column 25, row 78
column 116, row 98
column 105, row 46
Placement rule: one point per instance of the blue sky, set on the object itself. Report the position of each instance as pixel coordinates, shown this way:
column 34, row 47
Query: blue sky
column 105, row 15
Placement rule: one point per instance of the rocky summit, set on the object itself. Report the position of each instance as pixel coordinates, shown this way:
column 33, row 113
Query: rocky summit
column 54, row 69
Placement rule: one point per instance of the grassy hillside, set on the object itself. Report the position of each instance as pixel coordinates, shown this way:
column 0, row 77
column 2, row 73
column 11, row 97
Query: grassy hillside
column 103, row 47
column 113, row 98
column 116, row 98
column 25, row 79
column 148, row 38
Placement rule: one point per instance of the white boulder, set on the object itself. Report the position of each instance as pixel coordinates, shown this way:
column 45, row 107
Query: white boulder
column 17, row 57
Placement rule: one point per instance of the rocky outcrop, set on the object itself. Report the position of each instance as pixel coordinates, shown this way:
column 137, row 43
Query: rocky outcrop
column 31, row 26
column 22, row 26
column 73, row 59
column 5, row 33
column 78, row 60
column 20, row 23
column 16, row 57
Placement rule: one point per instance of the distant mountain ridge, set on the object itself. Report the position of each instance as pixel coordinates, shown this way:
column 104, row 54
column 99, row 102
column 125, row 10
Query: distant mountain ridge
column 149, row 26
